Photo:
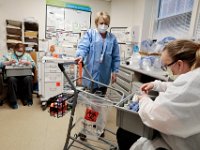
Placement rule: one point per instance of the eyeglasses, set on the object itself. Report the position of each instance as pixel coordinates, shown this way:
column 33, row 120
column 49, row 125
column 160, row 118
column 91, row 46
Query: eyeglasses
column 164, row 67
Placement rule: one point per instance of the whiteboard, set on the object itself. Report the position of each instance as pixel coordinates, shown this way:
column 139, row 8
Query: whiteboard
column 55, row 17
column 120, row 33
column 66, row 20
column 76, row 20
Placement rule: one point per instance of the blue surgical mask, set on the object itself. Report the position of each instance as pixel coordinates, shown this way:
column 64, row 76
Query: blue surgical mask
column 102, row 28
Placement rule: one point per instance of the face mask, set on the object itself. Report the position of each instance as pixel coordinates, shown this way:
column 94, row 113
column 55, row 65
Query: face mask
column 19, row 53
column 102, row 28
column 170, row 74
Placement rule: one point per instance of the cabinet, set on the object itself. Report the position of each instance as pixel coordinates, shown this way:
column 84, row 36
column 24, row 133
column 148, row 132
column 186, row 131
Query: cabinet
column 131, row 77
column 13, row 33
column 124, row 81
column 50, row 77
column 22, row 32
column 31, row 36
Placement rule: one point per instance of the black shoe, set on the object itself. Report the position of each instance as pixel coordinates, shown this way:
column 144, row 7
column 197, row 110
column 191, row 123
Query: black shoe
column 1, row 102
column 24, row 102
column 14, row 106
column 30, row 102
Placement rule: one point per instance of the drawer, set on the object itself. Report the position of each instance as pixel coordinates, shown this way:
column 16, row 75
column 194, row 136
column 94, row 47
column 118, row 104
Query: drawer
column 52, row 67
column 136, row 86
column 126, row 75
column 117, row 86
column 53, row 77
column 125, row 84
column 53, row 88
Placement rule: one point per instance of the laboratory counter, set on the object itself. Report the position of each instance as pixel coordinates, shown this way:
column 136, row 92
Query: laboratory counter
column 157, row 74
column 131, row 77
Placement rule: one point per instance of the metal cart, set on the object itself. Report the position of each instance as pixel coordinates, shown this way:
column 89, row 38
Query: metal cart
column 113, row 97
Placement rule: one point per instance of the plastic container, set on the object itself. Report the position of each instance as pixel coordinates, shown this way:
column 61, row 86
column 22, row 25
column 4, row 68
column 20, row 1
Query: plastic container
column 131, row 121
column 18, row 71
column 135, row 58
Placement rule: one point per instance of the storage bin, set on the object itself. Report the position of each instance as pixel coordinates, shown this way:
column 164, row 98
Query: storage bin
column 14, row 31
column 32, row 34
column 18, row 71
column 131, row 121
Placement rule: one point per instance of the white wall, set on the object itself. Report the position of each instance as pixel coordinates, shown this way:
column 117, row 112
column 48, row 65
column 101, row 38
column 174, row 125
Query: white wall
column 21, row 9
column 127, row 13
column 132, row 12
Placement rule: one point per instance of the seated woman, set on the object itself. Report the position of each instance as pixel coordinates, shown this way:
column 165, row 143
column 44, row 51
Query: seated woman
column 19, row 83
column 175, row 112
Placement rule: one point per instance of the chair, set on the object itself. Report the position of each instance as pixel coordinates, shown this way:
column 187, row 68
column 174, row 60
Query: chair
column 3, row 89
column 35, row 77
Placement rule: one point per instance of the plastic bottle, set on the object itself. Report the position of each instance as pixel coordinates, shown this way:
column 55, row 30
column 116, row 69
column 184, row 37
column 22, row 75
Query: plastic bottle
column 135, row 58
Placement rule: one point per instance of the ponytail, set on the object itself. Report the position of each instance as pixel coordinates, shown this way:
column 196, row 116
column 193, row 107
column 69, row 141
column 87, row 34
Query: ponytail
column 197, row 58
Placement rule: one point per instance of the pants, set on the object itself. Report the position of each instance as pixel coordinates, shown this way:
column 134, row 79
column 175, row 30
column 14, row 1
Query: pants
column 20, row 87
column 101, row 89
column 125, row 139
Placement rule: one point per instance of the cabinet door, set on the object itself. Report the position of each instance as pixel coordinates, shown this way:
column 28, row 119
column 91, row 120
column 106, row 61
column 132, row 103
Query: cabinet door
column 53, row 88
column 53, row 77
column 125, row 84
column 52, row 67
column 127, row 75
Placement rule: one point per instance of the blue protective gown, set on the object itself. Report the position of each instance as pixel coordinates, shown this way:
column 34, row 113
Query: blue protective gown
column 101, row 57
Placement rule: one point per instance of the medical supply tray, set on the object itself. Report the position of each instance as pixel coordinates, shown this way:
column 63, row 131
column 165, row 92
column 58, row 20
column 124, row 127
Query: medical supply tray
column 11, row 71
column 131, row 121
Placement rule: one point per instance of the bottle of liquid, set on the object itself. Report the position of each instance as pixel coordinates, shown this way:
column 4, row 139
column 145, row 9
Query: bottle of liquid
column 135, row 58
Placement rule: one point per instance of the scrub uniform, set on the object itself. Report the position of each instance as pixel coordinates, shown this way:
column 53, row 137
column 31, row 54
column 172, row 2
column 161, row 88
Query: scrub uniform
column 101, row 56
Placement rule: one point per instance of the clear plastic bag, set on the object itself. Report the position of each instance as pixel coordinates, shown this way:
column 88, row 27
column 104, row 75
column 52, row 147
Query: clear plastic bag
column 95, row 113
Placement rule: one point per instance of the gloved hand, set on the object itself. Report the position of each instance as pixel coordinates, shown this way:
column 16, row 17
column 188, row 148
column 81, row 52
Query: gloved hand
column 10, row 62
column 134, row 106
column 147, row 87
column 24, row 62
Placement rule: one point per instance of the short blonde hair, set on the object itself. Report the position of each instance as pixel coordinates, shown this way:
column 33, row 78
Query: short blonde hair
column 103, row 15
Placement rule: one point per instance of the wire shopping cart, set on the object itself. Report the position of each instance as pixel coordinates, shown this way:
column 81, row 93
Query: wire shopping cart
column 93, row 121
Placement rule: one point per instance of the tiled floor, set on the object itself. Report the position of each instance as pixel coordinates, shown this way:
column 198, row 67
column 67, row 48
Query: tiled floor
column 30, row 128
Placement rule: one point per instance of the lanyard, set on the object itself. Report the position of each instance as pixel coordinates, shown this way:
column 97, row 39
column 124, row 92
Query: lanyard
column 103, row 51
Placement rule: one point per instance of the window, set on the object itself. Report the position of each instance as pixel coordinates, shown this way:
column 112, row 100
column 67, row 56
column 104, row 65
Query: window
column 173, row 19
column 197, row 31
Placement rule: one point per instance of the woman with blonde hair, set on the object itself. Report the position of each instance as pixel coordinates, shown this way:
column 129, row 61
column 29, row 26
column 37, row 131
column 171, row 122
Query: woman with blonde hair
column 100, row 52
column 175, row 112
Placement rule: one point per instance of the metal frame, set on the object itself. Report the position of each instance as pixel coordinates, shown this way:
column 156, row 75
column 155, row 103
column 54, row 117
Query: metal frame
column 68, row 145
